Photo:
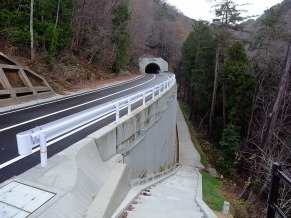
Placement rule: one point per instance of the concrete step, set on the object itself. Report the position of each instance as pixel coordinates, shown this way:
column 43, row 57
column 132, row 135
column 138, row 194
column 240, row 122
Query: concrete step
column 162, row 209
column 173, row 197
column 159, row 204
column 157, row 214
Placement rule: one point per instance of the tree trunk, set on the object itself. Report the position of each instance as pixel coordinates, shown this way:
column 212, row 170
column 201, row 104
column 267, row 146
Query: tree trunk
column 79, row 24
column 215, row 84
column 32, row 53
column 58, row 12
column 223, row 105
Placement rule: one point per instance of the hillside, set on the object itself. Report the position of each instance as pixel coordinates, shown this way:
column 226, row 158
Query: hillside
column 274, row 25
column 285, row 14
column 74, row 41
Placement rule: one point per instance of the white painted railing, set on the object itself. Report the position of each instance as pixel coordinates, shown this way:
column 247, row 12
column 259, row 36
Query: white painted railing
column 40, row 135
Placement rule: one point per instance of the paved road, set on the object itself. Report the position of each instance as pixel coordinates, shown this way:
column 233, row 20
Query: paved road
column 21, row 119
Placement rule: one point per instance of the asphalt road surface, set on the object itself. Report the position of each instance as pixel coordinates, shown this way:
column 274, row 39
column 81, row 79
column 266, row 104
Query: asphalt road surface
column 22, row 119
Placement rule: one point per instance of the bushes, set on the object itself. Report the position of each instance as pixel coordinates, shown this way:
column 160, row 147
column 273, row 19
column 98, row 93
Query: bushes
column 228, row 147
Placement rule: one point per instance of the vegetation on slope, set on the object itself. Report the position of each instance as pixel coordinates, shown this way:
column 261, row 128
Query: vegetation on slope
column 238, row 92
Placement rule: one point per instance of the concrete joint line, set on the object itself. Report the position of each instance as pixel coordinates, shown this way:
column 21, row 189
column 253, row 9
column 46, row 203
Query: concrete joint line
column 154, row 177
column 132, row 145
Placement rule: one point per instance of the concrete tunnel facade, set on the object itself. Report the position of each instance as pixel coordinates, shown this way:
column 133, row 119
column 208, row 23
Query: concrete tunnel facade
column 153, row 65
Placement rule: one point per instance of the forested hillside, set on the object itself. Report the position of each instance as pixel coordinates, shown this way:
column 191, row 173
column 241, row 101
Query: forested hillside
column 73, row 40
column 236, row 78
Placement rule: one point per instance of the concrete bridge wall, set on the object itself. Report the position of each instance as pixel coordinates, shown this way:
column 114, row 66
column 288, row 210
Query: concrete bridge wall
column 92, row 177
column 153, row 150
column 146, row 140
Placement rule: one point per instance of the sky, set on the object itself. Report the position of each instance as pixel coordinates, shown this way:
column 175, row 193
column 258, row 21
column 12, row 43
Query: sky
column 201, row 9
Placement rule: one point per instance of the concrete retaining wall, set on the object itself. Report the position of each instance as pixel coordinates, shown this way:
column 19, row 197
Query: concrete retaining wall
column 147, row 141
column 19, row 84
column 87, row 173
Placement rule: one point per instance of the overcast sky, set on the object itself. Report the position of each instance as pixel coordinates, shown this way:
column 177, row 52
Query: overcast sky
column 200, row 9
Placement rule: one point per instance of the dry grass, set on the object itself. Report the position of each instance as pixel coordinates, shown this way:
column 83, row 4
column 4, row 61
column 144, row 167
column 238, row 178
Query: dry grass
column 221, row 215
column 68, row 73
column 93, row 84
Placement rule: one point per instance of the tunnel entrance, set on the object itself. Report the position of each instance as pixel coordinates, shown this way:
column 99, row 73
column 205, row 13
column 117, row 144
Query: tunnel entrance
column 152, row 68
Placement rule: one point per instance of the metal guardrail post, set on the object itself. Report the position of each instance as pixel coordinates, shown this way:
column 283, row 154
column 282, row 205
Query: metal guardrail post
column 143, row 99
column 43, row 149
column 129, row 107
column 117, row 112
column 153, row 94
column 273, row 195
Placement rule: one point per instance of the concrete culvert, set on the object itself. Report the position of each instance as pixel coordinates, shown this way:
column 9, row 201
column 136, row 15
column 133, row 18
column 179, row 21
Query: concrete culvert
column 152, row 68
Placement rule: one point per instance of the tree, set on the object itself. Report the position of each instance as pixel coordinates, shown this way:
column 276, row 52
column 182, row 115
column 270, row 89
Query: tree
column 31, row 32
column 121, row 37
column 228, row 16
column 37, row 24
column 196, row 69
column 268, row 138
column 58, row 13
column 229, row 145
column 239, row 86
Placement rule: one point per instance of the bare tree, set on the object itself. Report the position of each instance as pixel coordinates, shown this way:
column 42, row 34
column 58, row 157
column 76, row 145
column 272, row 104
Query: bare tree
column 58, row 11
column 32, row 51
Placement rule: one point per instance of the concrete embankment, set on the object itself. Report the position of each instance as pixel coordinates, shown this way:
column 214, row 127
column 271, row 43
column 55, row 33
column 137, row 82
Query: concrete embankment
column 93, row 176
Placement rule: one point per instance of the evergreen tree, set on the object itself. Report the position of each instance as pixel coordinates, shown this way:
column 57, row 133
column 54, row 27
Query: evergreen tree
column 239, row 86
column 227, row 16
column 197, row 68
column 121, row 37
column 228, row 147
column 227, row 13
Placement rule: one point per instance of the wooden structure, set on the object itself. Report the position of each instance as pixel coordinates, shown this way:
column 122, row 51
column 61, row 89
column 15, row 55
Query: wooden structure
column 18, row 84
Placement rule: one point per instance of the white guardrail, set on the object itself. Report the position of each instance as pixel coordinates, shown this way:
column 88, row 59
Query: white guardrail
column 29, row 139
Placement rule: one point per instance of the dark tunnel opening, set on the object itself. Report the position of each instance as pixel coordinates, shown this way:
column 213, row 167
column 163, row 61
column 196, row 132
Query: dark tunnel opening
column 152, row 68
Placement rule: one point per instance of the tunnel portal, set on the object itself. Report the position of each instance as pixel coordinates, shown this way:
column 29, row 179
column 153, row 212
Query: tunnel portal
column 152, row 68
column 153, row 65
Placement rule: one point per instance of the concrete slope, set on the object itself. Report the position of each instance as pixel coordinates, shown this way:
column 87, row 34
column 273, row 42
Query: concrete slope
column 187, row 151
column 173, row 197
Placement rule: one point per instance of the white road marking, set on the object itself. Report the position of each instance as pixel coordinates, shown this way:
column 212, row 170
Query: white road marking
column 57, row 112
column 53, row 141
column 66, row 97
column 59, row 138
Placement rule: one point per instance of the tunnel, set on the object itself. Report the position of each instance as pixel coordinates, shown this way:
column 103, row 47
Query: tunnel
column 152, row 68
